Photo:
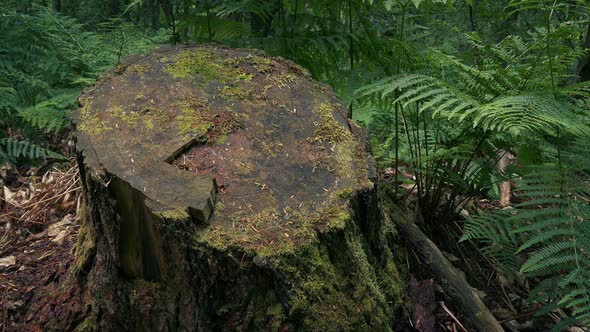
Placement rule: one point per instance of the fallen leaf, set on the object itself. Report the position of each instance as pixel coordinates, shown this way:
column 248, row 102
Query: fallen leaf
column 7, row 261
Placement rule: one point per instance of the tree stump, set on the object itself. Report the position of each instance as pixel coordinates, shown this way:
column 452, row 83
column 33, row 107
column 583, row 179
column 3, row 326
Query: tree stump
column 226, row 190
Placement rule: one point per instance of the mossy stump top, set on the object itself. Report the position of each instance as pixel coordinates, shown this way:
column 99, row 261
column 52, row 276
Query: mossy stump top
column 247, row 146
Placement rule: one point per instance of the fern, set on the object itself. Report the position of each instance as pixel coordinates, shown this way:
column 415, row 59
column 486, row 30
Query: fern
column 552, row 229
column 45, row 60
column 474, row 102
column 12, row 149
column 52, row 114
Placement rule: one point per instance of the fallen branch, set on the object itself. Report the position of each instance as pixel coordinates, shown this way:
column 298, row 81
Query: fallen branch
column 449, row 277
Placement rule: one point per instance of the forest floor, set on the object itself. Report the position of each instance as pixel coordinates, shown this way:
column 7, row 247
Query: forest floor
column 38, row 227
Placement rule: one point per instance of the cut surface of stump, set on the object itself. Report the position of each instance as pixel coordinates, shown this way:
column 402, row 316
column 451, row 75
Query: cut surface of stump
column 279, row 148
column 236, row 180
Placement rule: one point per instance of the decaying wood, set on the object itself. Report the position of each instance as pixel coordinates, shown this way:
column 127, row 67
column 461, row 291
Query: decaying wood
column 449, row 277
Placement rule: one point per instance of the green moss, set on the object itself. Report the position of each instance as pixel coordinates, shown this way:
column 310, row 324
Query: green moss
column 265, row 234
column 349, row 160
column 329, row 129
column 276, row 315
column 174, row 215
column 120, row 69
column 265, row 310
column 345, row 194
column 88, row 325
column 272, row 148
column 281, row 80
column 261, row 64
column 150, row 120
column 191, row 121
column 91, row 124
column 129, row 118
column 205, row 64
column 297, row 69
column 139, row 68
column 85, row 244
column 335, row 217
column 222, row 139
column 332, row 285
column 335, row 286
column 246, row 168
column 218, row 206
column 235, row 93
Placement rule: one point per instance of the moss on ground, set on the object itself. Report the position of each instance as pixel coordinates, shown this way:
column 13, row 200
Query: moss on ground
column 272, row 148
column 261, row 64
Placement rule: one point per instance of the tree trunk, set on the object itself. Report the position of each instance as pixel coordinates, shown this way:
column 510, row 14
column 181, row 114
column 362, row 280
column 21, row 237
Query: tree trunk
column 168, row 9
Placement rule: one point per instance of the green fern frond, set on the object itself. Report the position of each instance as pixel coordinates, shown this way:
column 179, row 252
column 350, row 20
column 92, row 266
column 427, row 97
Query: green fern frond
column 52, row 114
column 554, row 234
column 12, row 149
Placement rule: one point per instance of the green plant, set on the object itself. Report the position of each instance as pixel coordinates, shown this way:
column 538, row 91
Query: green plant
column 11, row 149
column 547, row 237
column 455, row 117
column 45, row 60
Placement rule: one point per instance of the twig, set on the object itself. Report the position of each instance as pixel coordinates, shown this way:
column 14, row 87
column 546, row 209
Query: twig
column 444, row 307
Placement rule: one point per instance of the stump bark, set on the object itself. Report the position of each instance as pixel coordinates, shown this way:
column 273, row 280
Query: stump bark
column 226, row 190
